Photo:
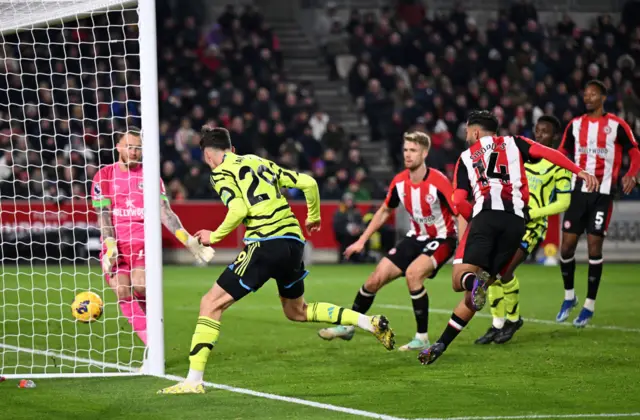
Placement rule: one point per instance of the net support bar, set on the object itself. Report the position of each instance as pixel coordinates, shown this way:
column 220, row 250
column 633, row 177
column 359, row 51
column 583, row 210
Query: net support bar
column 151, row 173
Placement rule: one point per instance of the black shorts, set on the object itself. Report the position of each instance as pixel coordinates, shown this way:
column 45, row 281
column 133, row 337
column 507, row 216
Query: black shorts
column 410, row 248
column 491, row 240
column 590, row 212
column 279, row 259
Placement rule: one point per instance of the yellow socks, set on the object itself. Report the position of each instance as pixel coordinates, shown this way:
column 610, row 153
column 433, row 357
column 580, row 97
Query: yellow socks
column 204, row 338
column 512, row 299
column 496, row 300
column 327, row 312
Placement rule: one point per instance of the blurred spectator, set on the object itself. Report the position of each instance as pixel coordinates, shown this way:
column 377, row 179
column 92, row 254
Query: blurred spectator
column 58, row 119
column 347, row 226
column 428, row 73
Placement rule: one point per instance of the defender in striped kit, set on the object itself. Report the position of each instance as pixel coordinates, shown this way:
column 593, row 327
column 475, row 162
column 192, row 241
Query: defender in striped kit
column 426, row 195
column 493, row 171
column 596, row 141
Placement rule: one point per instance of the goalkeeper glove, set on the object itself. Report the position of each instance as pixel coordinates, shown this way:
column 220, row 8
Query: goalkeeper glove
column 203, row 254
column 110, row 255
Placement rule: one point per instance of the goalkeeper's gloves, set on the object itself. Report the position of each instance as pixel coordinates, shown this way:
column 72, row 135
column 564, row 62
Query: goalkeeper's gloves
column 203, row 254
column 110, row 255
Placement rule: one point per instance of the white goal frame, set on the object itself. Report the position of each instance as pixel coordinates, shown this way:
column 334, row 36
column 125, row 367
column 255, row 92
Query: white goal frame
column 62, row 10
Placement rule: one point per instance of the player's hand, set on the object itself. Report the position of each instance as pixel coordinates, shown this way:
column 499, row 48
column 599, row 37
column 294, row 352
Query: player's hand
column 110, row 256
column 202, row 253
column 312, row 226
column 628, row 184
column 108, row 264
column 590, row 181
column 354, row 248
column 203, row 236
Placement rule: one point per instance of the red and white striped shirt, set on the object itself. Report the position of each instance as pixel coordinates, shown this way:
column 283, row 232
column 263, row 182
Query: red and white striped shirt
column 597, row 145
column 428, row 203
column 492, row 169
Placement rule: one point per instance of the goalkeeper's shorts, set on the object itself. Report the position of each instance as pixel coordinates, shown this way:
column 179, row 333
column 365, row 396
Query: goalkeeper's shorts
column 280, row 259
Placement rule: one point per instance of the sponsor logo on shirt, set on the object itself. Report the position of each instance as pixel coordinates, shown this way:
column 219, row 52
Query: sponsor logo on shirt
column 129, row 211
column 428, row 220
column 593, row 151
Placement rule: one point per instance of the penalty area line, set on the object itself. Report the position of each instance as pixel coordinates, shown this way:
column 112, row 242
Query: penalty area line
column 124, row 370
column 539, row 416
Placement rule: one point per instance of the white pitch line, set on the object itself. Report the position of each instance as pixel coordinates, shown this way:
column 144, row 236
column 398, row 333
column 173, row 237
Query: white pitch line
column 531, row 320
column 538, row 416
column 275, row 397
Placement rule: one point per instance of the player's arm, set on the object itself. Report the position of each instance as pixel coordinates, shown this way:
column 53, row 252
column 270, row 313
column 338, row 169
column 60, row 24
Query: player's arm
column 568, row 141
column 305, row 183
column 391, row 202
column 562, row 179
column 237, row 210
column 461, row 189
column 629, row 145
column 102, row 204
column 530, row 149
column 171, row 221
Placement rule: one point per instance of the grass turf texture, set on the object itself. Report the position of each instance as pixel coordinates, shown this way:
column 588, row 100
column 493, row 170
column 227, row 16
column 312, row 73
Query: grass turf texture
column 546, row 369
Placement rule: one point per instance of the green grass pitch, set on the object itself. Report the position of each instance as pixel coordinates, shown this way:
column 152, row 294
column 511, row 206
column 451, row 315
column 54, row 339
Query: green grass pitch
column 546, row 369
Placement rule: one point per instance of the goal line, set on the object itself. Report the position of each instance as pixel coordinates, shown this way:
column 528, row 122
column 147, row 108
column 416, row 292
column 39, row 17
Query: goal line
column 121, row 369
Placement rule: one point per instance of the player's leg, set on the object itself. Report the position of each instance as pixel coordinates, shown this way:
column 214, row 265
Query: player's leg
column 504, row 294
column 460, row 317
column 596, row 231
column 388, row 269
column 245, row 275
column 137, row 275
column 139, row 317
column 435, row 254
column 489, row 245
column 510, row 287
column 204, row 338
column 296, row 309
column 573, row 226
column 290, row 279
column 472, row 274
column 120, row 282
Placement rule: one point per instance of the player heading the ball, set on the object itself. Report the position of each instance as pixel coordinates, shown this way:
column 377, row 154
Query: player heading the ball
column 117, row 196
column 274, row 244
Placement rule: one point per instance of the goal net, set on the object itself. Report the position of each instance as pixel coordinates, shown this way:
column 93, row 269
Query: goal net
column 69, row 86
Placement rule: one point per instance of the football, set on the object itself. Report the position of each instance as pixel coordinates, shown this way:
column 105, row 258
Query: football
column 87, row 307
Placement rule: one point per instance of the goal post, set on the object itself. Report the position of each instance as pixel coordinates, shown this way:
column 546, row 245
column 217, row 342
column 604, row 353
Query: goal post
column 74, row 75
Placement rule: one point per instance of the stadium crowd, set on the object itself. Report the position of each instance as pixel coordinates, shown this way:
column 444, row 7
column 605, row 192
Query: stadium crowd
column 65, row 93
column 411, row 71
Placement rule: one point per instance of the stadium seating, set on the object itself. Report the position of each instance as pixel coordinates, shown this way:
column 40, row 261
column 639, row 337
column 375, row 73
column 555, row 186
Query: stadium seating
column 428, row 73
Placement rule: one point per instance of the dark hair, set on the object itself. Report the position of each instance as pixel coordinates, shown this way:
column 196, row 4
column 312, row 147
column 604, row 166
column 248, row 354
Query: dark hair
column 598, row 84
column 215, row 137
column 555, row 123
column 484, row 119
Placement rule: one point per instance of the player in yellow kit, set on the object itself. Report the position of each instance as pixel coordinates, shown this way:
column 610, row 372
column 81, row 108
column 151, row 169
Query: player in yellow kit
column 250, row 188
column 549, row 193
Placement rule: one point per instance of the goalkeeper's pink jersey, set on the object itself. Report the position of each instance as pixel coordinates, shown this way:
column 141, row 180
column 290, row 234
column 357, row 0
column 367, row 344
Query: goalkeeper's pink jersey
column 122, row 192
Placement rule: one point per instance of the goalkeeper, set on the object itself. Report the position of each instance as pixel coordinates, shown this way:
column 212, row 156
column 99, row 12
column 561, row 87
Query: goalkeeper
column 250, row 187
column 117, row 196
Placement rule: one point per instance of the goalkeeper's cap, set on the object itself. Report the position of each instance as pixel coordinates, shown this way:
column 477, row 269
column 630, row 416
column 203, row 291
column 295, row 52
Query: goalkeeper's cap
column 215, row 137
